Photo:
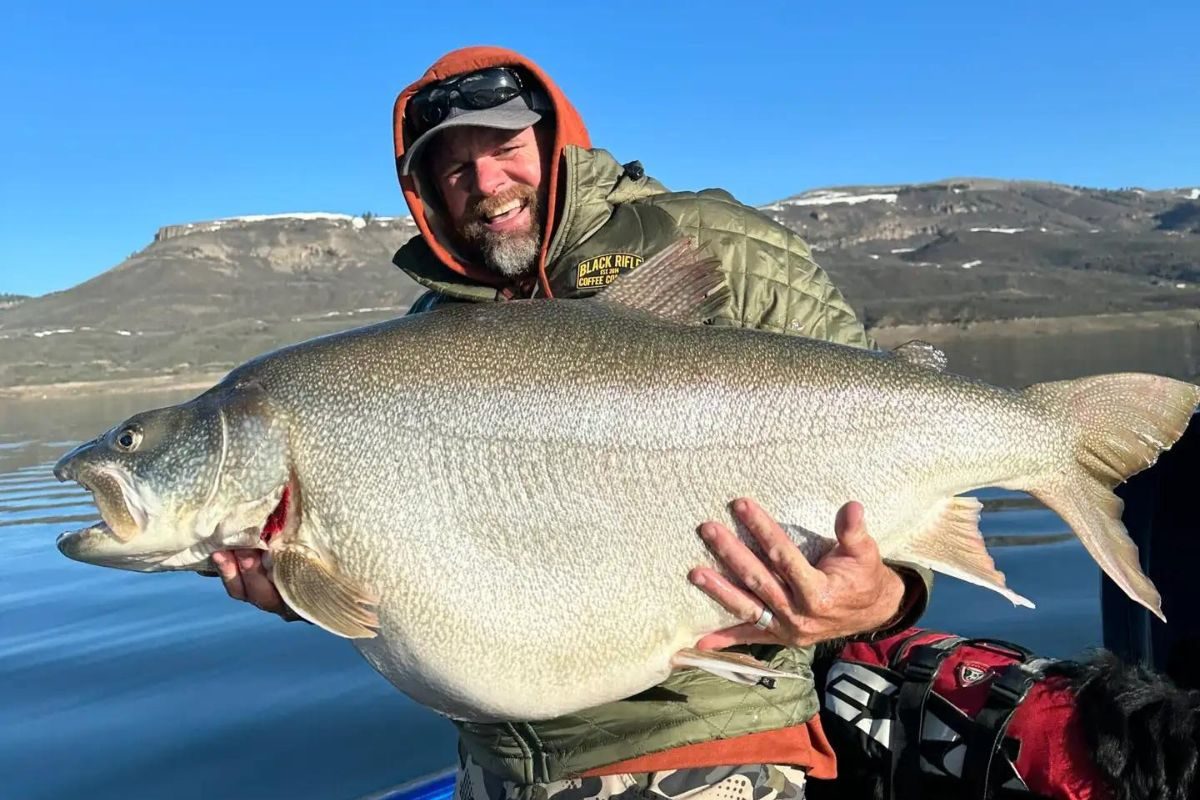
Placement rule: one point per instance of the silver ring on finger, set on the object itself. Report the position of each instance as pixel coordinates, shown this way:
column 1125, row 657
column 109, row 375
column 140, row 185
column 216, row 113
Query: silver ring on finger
column 764, row 619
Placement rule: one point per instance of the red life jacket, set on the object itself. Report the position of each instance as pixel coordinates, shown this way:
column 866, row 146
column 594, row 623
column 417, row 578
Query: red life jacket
column 931, row 709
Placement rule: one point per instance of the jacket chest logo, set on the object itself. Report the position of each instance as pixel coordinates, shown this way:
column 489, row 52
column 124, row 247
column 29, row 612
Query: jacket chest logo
column 599, row 271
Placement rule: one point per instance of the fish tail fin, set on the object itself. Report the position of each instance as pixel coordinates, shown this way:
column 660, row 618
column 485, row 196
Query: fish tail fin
column 1122, row 423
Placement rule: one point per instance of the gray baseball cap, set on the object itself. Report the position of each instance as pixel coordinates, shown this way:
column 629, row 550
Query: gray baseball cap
column 513, row 115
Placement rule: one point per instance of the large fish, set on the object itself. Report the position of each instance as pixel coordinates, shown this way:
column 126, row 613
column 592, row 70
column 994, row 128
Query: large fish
column 498, row 503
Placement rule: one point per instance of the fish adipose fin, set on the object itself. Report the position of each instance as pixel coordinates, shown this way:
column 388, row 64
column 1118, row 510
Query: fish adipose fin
column 736, row 667
column 952, row 544
column 322, row 595
column 680, row 284
column 922, row 354
column 1122, row 422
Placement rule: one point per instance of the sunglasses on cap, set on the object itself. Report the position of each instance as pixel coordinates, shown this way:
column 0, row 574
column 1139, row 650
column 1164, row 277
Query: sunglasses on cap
column 486, row 88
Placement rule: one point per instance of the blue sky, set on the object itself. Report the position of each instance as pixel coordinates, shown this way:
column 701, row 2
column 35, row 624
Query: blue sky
column 122, row 117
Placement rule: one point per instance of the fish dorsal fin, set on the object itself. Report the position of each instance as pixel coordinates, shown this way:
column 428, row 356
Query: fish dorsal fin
column 922, row 354
column 680, row 284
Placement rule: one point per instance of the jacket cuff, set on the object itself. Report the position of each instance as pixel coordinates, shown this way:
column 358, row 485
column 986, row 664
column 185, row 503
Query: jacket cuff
column 918, row 585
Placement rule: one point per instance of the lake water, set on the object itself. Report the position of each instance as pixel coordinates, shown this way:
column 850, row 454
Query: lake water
column 119, row 685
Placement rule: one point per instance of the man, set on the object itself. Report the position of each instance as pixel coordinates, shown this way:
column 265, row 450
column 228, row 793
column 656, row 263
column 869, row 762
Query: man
column 512, row 202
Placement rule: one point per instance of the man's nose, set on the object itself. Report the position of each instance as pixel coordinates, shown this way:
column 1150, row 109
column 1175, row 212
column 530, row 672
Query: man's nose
column 489, row 176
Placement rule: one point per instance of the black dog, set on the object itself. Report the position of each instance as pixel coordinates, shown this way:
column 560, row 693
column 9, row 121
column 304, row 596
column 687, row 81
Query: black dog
column 1142, row 729
column 1138, row 730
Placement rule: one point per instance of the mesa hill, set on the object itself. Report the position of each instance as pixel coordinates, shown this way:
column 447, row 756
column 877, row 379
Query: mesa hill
column 203, row 297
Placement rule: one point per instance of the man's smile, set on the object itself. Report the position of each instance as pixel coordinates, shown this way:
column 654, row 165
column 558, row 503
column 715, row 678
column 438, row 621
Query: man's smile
column 513, row 215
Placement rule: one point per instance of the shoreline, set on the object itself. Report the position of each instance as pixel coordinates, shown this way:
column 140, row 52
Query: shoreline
column 886, row 337
column 145, row 383
column 894, row 335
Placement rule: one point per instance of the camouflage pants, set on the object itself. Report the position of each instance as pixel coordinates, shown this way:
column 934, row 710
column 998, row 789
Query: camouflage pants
column 744, row 782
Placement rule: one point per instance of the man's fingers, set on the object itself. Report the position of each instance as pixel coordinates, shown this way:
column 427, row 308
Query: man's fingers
column 782, row 554
column 226, row 564
column 747, row 567
column 259, row 589
column 735, row 600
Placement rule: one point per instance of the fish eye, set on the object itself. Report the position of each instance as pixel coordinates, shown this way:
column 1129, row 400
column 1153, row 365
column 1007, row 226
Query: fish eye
column 127, row 440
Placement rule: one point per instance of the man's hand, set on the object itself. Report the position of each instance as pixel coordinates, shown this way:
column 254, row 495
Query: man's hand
column 246, row 579
column 849, row 591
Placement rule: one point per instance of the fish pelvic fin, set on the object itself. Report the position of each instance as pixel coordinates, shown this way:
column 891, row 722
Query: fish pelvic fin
column 1122, row 422
column 952, row 544
column 680, row 283
column 737, row 667
column 317, row 591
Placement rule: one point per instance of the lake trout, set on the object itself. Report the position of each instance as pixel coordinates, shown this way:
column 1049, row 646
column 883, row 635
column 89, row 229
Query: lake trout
column 498, row 503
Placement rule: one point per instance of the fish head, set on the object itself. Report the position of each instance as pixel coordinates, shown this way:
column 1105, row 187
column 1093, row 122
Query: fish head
column 176, row 484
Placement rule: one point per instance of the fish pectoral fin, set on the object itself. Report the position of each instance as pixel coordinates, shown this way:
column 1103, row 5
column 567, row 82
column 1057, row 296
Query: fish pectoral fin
column 952, row 544
column 318, row 592
column 736, row 667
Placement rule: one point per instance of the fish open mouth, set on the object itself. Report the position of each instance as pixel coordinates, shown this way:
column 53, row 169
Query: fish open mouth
column 122, row 509
column 123, row 516
column 99, row 543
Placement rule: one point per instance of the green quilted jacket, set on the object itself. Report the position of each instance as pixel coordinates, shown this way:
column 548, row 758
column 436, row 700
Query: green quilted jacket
column 615, row 216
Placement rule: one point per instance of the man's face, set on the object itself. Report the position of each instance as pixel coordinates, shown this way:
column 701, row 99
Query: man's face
column 492, row 184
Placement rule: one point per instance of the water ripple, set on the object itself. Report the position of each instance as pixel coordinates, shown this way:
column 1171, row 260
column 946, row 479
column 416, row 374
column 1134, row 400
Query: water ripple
column 13, row 480
column 37, row 504
column 54, row 520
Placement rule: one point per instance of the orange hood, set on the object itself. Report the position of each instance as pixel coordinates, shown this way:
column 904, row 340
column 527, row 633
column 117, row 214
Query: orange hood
column 569, row 130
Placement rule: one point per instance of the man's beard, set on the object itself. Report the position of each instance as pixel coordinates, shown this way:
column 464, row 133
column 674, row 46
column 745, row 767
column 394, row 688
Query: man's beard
column 511, row 253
